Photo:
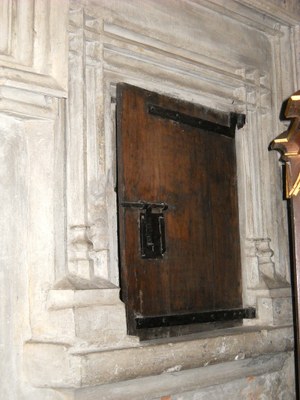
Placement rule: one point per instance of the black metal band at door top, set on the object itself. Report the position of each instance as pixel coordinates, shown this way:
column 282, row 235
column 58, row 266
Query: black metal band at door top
column 234, row 120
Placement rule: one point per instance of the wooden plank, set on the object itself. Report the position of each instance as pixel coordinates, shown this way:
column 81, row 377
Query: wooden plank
column 194, row 171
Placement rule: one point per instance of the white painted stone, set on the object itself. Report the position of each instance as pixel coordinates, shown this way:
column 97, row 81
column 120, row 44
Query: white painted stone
column 104, row 324
column 61, row 299
column 53, row 364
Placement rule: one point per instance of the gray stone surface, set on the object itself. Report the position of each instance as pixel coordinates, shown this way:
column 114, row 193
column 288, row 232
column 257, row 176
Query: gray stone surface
column 62, row 324
column 261, row 378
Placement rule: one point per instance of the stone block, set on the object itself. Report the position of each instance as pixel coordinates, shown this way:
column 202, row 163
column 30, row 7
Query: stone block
column 51, row 365
column 60, row 299
column 283, row 310
column 275, row 310
column 106, row 324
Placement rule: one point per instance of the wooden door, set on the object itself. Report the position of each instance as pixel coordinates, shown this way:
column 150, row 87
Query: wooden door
column 177, row 170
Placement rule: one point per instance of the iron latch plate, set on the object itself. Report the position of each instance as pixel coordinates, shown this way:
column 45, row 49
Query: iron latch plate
column 152, row 234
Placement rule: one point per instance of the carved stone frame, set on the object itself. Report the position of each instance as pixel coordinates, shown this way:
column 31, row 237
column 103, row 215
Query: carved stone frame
column 100, row 57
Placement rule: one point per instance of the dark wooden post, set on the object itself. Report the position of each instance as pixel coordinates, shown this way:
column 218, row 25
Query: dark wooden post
column 288, row 144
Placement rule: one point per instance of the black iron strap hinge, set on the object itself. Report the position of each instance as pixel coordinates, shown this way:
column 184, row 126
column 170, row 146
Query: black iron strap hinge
column 235, row 120
column 195, row 318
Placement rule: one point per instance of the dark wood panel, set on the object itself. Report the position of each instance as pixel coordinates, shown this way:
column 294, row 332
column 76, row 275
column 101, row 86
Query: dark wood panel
column 224, row 213
column 194, row 172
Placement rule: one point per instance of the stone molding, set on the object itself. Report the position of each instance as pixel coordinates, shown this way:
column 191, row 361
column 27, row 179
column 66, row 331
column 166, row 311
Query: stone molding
column 86, row 175
column 287, row 12
column 262, row 271
column 104, row 49
column 266, row 15
column 33, row 45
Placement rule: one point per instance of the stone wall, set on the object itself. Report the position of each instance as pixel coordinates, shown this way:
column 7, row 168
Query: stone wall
column 63, row 326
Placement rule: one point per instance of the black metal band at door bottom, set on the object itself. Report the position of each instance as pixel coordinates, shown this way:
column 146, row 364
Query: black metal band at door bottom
column 195, row 318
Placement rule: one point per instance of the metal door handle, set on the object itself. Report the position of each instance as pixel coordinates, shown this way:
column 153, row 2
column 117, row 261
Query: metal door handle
column 144, row 205
column 152, row 227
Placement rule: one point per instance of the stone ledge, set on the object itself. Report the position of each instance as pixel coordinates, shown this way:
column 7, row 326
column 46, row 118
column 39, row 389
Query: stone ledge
column 71, row 367
column 68, row 298
column 173, row 383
